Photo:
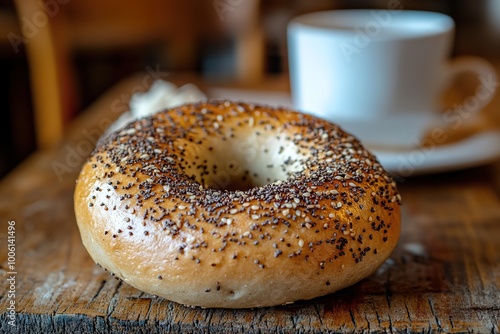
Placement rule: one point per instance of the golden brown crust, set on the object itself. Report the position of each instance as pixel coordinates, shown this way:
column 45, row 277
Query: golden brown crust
column 314, row 212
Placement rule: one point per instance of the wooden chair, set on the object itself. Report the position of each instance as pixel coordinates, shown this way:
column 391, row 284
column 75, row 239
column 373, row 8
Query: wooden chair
column 54, row 32
column 51, row 83
column 95, row 25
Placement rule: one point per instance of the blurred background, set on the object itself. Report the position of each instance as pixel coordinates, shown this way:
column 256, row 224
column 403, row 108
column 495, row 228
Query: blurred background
column 58, row 56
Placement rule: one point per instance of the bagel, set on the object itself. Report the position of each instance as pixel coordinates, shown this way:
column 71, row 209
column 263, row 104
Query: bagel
column 234, row 205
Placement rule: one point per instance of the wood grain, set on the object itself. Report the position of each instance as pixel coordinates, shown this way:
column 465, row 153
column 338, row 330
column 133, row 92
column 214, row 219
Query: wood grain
column 443, row 277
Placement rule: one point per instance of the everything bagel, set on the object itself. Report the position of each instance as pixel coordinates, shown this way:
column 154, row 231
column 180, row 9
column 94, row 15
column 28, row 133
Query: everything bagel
column 232, row 205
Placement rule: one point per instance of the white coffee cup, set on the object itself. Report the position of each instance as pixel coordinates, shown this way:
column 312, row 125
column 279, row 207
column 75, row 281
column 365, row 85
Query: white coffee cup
column 377, row 73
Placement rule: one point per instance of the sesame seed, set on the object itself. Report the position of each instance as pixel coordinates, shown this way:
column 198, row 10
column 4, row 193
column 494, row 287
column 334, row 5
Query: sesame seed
column 255, row 207
column 301, row 243
column 255, row 217
column 233, row 211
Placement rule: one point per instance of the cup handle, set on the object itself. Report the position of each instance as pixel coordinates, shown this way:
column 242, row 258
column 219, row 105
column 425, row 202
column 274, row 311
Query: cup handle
column 487, row 81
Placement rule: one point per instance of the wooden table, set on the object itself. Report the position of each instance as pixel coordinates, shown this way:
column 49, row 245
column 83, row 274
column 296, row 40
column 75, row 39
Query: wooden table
column 443, row 276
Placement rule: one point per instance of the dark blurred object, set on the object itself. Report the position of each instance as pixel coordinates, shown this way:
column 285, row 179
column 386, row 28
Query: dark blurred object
column 16, row 126
column 240, row 25
column 478, row 27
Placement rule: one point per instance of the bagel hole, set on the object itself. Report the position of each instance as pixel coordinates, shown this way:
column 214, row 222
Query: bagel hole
column 243, row 163
column 233, row 175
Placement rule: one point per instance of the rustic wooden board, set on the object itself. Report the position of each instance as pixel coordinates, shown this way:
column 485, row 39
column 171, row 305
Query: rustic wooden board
column 443, row 277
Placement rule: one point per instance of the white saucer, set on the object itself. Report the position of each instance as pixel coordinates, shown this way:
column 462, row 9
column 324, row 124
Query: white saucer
column 473, row 151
